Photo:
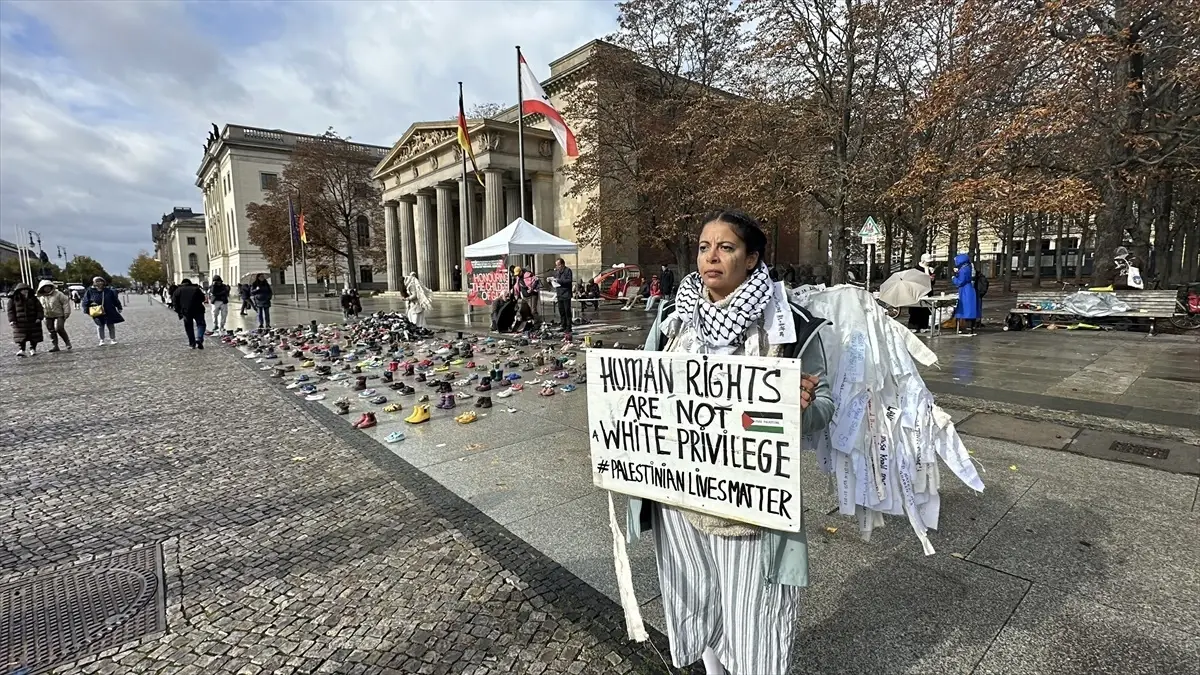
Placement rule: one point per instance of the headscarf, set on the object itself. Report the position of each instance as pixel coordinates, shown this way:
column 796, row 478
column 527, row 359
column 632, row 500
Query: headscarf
column 722, row 327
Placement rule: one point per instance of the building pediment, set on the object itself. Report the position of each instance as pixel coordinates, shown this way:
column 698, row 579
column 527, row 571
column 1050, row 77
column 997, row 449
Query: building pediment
column 419, row 139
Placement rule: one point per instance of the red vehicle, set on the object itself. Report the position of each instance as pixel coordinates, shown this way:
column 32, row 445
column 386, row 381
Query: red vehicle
column 615, row 284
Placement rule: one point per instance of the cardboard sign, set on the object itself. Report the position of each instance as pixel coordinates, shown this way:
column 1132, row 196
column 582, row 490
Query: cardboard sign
column 715, row 434
column 489, row 280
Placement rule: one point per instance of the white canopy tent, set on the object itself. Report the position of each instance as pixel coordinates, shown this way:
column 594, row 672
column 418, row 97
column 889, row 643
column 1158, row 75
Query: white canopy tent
column 521, row 237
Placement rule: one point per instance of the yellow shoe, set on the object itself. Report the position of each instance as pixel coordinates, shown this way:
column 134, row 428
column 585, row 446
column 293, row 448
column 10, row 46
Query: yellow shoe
column 466, row 418
column 441, row 369
column 308, row 364
column 419, row 414
column 393, row 407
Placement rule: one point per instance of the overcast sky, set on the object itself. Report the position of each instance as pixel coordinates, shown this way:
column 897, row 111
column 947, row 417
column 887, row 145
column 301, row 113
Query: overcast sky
column 105, row 106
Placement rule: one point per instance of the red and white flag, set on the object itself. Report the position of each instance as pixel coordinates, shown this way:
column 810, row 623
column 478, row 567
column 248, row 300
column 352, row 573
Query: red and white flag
column 535, row 102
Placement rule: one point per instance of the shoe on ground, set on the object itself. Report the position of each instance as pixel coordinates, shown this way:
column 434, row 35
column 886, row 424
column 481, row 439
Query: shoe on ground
column 394, row 437
column 546, row 391
column 504, row 394
column 368, row 421
column 366, row 393
column 53, row 349
column 315, row 397
column 378, row 400
column 467, row 417
column 392, row 408
column 423, row 398
column 569, row 388
column 485, row 401
column 419, row 414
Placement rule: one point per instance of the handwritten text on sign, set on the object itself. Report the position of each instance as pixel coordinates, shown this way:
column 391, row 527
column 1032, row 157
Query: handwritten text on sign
column 715, row 434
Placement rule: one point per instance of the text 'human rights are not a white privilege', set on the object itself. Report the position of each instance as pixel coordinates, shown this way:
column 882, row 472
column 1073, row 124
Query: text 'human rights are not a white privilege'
column 716, row 434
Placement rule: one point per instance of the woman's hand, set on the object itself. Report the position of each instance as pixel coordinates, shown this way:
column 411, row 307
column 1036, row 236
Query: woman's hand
column 808, row 387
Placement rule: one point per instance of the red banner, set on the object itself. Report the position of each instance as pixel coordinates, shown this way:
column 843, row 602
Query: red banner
column 489, row 280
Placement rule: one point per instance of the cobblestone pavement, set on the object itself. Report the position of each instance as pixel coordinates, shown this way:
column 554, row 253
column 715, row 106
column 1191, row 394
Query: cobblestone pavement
column 292, row 547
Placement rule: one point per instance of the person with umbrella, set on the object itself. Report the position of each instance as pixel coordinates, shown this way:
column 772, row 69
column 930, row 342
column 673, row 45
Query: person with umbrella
column 905, row 289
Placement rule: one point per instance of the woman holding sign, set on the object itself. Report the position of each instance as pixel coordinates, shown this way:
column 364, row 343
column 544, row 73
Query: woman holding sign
column 730, row 590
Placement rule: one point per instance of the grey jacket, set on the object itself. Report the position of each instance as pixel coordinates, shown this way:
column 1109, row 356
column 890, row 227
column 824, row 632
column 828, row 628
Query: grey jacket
column 784, row 554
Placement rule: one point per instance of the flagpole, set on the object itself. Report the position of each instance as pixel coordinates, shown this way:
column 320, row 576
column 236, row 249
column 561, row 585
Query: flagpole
column 292, row 242
column 303, row 248
column 464, row 212
column 521, row 131
column 304, row 256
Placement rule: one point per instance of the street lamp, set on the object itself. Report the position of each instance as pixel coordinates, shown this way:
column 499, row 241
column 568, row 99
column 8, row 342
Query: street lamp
column 41, row 262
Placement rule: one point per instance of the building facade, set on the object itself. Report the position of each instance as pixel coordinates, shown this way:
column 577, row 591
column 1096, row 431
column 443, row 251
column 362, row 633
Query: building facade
column 181, row 245
column 424, row 193
column 241, row 164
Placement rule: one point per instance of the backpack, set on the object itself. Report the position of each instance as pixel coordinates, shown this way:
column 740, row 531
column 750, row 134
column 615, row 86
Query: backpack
column 1014, row 322
column 981, row 284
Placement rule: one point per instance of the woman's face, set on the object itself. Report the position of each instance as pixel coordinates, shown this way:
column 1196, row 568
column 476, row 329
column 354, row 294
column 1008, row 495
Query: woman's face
column 722, row 259
column 259, row 277
column 99, row 283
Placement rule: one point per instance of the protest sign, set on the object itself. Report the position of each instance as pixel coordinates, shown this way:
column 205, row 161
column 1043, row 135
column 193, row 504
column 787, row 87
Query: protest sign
column 488, row 278
column 715, row 434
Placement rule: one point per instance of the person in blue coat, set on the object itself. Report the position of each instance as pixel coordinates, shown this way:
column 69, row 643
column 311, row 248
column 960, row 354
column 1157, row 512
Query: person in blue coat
column 102, row 304
column 968, row 308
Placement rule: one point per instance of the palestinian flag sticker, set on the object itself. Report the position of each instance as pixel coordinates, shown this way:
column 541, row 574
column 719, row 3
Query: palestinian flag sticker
column 762, row 422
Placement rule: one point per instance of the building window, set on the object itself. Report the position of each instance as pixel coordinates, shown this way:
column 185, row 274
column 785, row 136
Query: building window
column 191, row 241
column 193, row 262
column 268, row 181
column 364, row 275
column 364, row 232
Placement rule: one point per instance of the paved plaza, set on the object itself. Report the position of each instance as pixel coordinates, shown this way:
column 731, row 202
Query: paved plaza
column 294, row 544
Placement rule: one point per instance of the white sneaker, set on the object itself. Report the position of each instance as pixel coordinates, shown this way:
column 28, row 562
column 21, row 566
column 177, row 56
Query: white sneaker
column 21, row 352
column 113, row 341
column 102, row 343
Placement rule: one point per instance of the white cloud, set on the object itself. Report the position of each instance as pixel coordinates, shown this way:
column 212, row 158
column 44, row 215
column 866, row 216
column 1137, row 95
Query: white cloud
column 105, row 106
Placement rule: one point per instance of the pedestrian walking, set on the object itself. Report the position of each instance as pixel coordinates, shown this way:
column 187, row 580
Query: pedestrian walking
column 218, row 296
column 75, row 297
column 419, row 300
column 563, row 280
column 56, row 307
column 968, row 308
column 102, row 304
column 25, row 316
column 244, row 294
column 171, row 295
column 260, row 295
column 666, row 281
column 731, row 590
column 189, row 306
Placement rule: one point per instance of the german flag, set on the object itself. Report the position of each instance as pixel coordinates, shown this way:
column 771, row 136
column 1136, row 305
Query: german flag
column 762, row 422
column 464, row 138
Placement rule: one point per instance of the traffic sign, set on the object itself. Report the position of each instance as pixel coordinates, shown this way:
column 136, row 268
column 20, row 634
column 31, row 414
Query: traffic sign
column 870, row 239
column 870, row 229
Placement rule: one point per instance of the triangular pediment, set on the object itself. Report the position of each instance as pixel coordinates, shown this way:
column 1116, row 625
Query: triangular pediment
column 419, row 138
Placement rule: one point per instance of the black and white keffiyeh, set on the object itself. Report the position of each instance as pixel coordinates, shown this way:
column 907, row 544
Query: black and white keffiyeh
column 722, row 327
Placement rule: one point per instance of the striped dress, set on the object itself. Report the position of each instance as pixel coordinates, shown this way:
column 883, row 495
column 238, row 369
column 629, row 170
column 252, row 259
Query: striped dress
column 710, row 575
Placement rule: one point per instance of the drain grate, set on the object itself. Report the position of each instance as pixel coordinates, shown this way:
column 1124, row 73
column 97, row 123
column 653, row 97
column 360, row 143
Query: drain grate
column 1143, row 450
column 61, row 616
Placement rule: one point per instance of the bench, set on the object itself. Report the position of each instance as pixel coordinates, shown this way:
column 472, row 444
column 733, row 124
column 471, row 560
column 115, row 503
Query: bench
column 1152, row 305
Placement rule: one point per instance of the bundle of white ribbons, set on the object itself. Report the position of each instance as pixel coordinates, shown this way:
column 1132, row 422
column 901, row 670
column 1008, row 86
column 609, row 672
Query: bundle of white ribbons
column 882, row 445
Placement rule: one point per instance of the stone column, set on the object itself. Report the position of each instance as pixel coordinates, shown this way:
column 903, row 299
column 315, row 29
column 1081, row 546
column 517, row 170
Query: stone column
column 446, row 236
column 391, row 243
column 493, row 198
column 512, row 203
column 426, row 240
column 543, row 211
column 408, row 235
column 477, row 227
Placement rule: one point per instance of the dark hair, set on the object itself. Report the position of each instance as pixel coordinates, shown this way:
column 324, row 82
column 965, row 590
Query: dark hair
column 746, row 227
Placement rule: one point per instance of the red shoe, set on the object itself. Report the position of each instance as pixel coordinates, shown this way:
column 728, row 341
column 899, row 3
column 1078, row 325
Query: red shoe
column 362, row 418
column 367, row 421
column 393, row 366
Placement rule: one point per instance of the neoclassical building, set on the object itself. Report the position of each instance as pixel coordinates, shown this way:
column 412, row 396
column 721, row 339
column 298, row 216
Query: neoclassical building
column 423, row 190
